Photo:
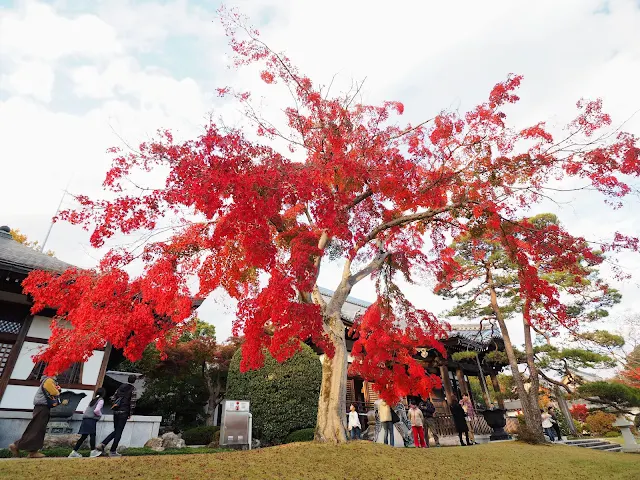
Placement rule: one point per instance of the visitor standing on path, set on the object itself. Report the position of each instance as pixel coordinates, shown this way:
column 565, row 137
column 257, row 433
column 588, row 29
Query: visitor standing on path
column 386, row 420
column 428, row 410
column 124, row 402
column 417, row 419
column 467, row 406
column 459, row 420
column 90, row 419
column 354, row 423
column 46, row 397
column 547, row 425
column 554, row 422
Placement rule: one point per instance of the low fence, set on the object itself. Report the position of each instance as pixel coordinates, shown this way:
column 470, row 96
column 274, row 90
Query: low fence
column 444, row 422
column 445, row 425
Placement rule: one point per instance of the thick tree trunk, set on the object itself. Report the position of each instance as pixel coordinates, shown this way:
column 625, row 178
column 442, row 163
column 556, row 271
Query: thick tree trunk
column 530, row 412
column 331, row 423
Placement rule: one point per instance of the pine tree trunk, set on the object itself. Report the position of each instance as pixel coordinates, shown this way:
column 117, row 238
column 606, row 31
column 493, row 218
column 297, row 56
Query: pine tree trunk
column 530, row 412
column 331, row 423
column 533, row 376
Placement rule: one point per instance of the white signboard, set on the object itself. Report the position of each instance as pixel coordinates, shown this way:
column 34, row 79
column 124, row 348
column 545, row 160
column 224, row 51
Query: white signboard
column 236, row 406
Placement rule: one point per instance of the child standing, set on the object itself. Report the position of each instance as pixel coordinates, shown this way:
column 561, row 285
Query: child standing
column 354, row 423
column 88, row 426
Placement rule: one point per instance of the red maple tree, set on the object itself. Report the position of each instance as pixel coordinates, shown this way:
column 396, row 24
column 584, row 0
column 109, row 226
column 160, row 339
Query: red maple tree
column 579, row 412
column 382, row 197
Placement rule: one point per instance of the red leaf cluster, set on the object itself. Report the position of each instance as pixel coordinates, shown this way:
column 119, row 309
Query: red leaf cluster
column 362, row 184
column 579, row 412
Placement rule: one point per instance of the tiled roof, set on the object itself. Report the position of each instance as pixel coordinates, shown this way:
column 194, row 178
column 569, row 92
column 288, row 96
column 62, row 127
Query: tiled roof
column 19, row 258
column 475, row 332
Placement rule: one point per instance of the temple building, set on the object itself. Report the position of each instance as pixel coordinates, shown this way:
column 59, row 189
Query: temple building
column 472, row 337
column 23, row 334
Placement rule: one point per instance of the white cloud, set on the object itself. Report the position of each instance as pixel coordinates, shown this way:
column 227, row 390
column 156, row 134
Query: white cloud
column 430, row 55
column 31, row 78
column 35, row 30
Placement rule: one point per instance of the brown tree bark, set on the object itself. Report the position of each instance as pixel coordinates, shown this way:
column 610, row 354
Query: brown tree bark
column 331, row 424
column 530, row 412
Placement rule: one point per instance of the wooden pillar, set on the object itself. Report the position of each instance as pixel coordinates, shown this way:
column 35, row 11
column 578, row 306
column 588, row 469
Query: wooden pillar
column 461, row 381
column 13, row 356
column 496, row 388
column 446, row 382
column 103, row 366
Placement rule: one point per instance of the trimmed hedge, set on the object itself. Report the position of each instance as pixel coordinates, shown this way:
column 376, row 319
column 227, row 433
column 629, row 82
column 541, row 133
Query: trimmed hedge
column 60, row 452
column 612, row 434
column 283, row 396
column 199, row 435
column 304, row 435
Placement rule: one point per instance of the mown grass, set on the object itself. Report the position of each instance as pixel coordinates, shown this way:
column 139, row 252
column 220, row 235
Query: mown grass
column 358, row 460
column 62, row 452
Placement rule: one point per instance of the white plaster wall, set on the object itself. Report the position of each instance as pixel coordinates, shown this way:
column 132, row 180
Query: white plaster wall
column 24, row 364
column 40, row 327
column 21, row 397
column 91, row 368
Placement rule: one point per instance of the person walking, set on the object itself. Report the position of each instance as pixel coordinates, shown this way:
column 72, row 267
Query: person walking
column 354, row 423
column 459, row 420
column 554, row 423
column 47, row 396
column 467, row 406
column 547, row 425
column 417, row 420
column 386, row 420
column 90, row 419
column 124, row 402
column 428, row 410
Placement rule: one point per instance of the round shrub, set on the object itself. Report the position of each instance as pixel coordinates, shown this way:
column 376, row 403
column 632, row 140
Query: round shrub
column 599, row 423
column 611, row 434
column 304, row 435
column 283, row 396
column 199, row 435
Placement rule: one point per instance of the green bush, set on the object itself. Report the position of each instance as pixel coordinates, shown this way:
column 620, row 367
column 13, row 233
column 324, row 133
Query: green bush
column 199, row 435
column 611, row 434
column 562, row 422
column 284, row 397
column 304, row 435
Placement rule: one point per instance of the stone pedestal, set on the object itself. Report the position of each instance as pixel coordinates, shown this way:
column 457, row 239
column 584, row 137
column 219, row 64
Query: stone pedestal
column 625, row 425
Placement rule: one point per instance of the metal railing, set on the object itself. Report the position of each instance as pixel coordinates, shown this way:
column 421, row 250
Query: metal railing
column 445, row 425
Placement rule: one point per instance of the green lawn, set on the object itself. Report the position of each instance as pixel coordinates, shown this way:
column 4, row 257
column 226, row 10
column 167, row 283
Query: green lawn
column 359, row 460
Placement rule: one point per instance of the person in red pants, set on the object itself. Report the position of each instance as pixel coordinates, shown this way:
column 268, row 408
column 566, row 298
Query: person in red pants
column 416, row 418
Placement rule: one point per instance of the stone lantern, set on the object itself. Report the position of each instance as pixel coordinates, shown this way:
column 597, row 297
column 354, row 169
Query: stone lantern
column 625, row 425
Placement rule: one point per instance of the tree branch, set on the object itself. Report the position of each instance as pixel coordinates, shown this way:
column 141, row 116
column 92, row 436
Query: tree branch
column 405, row 219
column 374, row 265
column 359, row 198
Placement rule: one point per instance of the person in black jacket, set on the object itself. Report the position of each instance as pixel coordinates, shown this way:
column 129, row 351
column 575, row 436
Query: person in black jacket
column 428, row 412
column 459, row 420
column 124, row 402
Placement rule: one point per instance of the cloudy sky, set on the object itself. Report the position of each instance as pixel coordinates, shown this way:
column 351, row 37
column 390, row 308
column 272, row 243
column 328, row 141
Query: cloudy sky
column 77, row 77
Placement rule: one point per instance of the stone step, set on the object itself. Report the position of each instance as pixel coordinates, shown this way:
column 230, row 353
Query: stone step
column 595, row 445
column 584, row 443
column 608, row 447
